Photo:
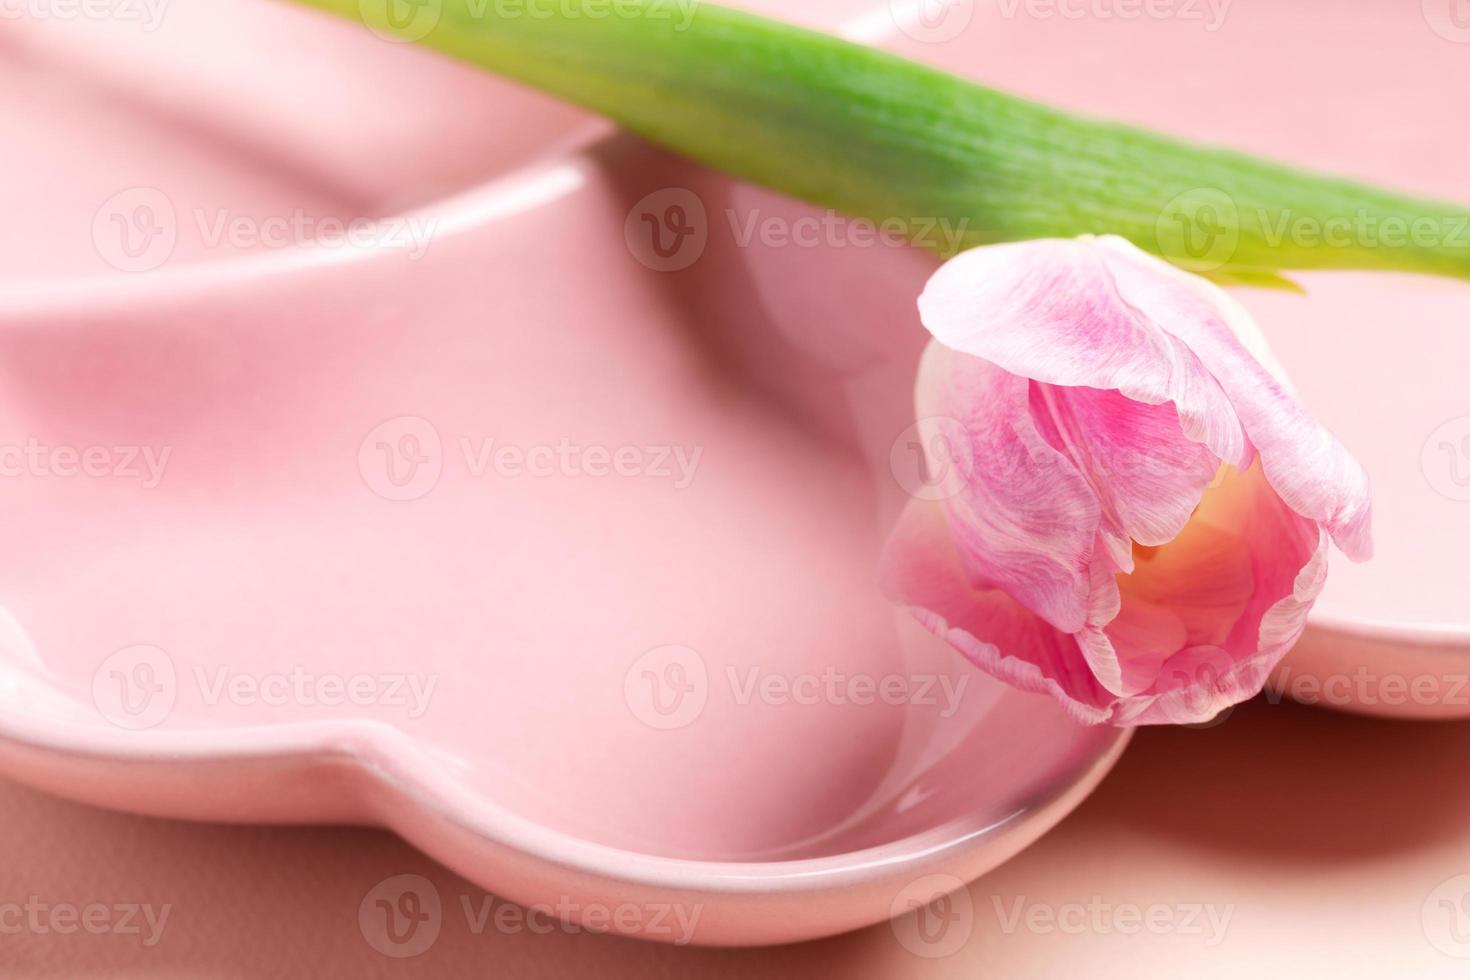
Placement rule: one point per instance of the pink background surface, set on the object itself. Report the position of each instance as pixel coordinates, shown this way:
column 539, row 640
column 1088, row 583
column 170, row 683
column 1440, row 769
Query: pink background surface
column 1327, row 833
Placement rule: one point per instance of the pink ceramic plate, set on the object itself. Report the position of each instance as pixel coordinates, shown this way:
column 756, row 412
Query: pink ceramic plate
column 539, row 525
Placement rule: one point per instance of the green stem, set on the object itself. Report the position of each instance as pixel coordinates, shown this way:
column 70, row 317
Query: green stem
column 873, row 135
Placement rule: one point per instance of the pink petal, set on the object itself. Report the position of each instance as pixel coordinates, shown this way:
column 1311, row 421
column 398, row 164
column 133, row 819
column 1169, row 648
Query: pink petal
column 1201, row 624
column 1238, row 583
column 1146, row 474
column 1310, row 469
column 1287, row 555
column 922, row 570
column 1205, row 576
column 1025, row 518
column 1099, row 313
column 1242, row 578
column 1049, row 310
column 1128, row 654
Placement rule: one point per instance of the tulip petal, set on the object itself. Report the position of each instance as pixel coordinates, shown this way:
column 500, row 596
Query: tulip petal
column 1311, row 470
column 1049, row 310
column 1239, row 582
column 922, row 570
column 1200, row 629
column 1146, row 474
column 1101, row 313
column 1204, row 576
column 1025, row 519
column 1288, row 564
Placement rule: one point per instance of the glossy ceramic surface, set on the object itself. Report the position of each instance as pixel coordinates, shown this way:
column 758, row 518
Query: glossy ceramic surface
column 528, row 524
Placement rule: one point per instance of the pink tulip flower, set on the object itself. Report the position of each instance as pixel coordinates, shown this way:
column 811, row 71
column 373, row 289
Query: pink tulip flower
column 1141, row 522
